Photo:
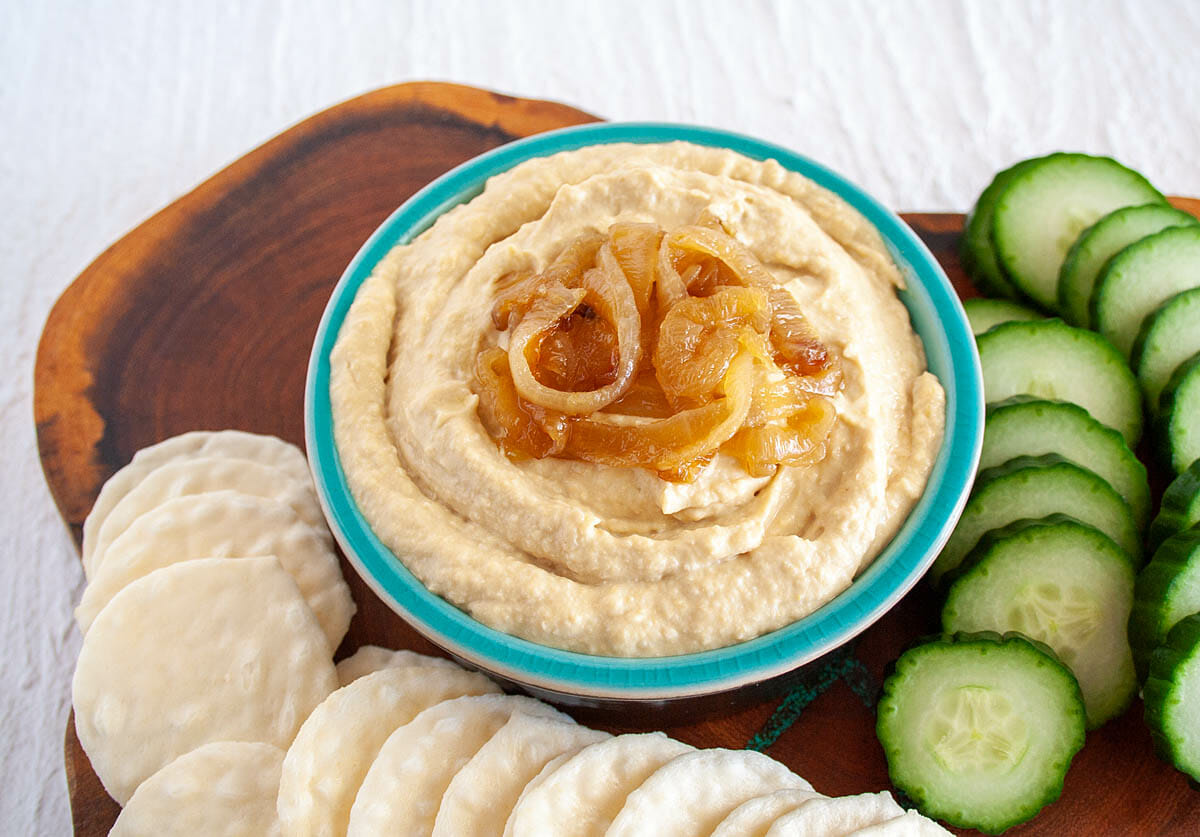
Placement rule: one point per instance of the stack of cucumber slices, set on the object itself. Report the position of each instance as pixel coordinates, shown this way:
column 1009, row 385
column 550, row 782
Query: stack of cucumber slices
column 1092, row 242
column 1092, row 318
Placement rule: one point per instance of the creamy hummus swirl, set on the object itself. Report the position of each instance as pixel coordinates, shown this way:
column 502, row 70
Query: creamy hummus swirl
column 616, row 561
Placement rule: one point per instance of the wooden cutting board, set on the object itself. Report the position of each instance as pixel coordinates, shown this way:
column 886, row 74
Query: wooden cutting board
column 203, row 317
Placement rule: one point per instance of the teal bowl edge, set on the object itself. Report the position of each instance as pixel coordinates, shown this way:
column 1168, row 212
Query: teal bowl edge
column 937, row 316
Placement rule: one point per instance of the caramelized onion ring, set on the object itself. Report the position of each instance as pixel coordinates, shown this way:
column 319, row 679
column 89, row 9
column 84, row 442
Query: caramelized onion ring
column 655, row 350
column 656, row 444
column 793, row 338
column 670, row 287
column 634, row 247
column 799, row 441
column 522, row 290
column 795, row 341
column 698, row 338
column 775, row 400
column 725, row 248
column 645, row 398
column 519, row 430
column 609, row 295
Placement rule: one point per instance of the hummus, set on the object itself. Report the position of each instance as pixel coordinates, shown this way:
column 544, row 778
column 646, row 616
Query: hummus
column 616, row 561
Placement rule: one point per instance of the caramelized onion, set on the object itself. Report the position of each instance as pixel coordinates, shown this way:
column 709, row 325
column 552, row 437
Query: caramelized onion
column 518, row 291
column 705, row 279
column 655, row 350
column 612, row 299
column 793, row 339
column 726, row 249
column 699, row 337
column 645, row 398
column 522, row 290
column 634, row 247
column 674, row 442
column 579, row 356
column 610, row 295
column 800, row 441
column 506, row 419
column 670, row 287
column 775, row 400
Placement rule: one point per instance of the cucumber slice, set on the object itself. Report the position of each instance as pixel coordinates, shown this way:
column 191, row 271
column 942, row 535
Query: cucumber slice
column 1060, row 582
column 1180, row 416
column 982, row 313
column 1140, row 278
column 1167, row 590
column 1169, row 336
column 1099, row 243
column 978, row 256
column 1052, row 360
column 1030, row 487
column 1172, row 696
column 1047, row 204
column 1024, row 426
column 1180, row 507
column 979, row 729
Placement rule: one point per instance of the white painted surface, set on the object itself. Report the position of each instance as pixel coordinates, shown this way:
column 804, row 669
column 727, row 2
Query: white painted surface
column 110, row 110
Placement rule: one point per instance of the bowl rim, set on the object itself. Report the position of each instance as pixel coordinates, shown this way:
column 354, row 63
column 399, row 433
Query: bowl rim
column 933, row 307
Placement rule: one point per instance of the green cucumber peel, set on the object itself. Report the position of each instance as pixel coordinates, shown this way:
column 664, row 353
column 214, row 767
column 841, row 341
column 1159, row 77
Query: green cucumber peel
column 1025, row 424
column 1180, row 507
column 1030, row 717
column 1064, row 582
column 1051, row 360
column 1096, row 246
column 1167, row 589
column 1178, row 423
column 976, row 251
column 1005, row 487
column 1170, row 696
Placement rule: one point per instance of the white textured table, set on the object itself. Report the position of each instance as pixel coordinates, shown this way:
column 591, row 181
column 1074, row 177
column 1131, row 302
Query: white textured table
column 111, row 112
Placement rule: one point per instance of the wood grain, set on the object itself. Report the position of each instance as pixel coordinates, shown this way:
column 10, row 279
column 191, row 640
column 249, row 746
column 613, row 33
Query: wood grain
column 203, row 317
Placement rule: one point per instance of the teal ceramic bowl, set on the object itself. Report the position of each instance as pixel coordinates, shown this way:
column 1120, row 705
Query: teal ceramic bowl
column 938, row 318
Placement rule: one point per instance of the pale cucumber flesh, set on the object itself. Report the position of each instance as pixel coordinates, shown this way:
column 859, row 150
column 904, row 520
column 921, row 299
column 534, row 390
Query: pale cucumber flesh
column 980, row 731
column 1063, row 584
column 1169, row 336
column 1051, row 360
column 1099, row 243
column 1033, row 428
column 1142, row 277
column 1047, row 205
column 984, row 314
column 1032, row 492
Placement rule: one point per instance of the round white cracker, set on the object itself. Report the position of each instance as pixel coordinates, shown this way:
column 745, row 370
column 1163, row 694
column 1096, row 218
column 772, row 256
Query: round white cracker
column 207, row 650
column 372, row 658
column 911, row 824
column 482, row 795
column 753, row 817
column 223, row 789
column 691, row 794
column 567, row 800
column 402, row 791
column 225, row 524
column 837, row 816
column 201, row 476
column 341, row 738
column 236, row 444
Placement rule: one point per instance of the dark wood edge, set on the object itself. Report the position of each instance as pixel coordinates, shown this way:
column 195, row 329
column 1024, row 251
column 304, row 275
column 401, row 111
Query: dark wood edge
column 67, row 425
